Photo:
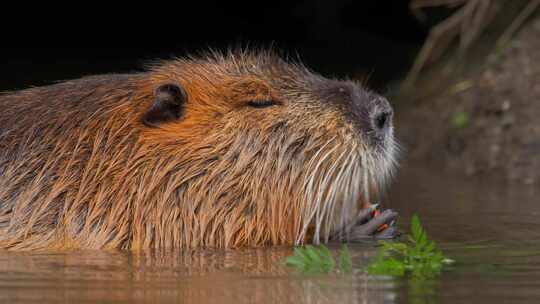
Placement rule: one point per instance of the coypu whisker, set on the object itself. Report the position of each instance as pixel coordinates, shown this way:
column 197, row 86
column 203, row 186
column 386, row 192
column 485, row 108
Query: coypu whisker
column 334, row 195
column 314, row 189
column 354, row 193
column 327, row 194
column 347, row 197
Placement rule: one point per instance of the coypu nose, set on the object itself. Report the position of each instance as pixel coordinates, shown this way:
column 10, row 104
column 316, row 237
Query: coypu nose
column 381, row 116
column 381, row 120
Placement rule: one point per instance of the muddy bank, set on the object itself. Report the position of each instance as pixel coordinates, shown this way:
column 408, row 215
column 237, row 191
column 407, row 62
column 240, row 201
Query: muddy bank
column 485, row 120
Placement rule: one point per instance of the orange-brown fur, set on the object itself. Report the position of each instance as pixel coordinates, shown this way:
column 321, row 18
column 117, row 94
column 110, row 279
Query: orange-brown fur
column 78, row 168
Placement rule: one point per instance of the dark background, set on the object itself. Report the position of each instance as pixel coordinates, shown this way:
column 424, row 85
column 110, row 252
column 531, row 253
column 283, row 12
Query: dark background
column 350, row 38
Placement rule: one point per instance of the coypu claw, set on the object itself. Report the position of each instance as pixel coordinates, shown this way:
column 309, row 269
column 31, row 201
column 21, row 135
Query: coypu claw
column 372, row 226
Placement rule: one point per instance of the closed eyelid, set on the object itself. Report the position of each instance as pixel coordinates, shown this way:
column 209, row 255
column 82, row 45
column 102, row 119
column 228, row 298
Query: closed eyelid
column 262, row 103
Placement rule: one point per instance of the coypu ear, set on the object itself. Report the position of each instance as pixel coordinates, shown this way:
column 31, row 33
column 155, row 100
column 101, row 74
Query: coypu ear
column 168, row 105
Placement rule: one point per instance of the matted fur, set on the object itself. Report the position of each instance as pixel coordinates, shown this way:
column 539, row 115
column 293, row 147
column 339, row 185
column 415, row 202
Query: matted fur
column 79, row 169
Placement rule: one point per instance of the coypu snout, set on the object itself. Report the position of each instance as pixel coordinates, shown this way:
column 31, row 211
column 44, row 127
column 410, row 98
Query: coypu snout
column 370, row 113
column 381, row 118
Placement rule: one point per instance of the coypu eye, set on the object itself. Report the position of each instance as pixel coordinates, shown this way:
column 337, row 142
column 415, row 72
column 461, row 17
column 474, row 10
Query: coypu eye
column 261, row 103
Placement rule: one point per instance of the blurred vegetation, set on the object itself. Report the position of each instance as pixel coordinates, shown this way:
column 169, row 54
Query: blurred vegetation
column 460, row 120
column 469, row 20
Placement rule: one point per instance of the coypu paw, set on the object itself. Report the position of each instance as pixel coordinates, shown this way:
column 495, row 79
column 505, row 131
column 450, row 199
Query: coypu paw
column 372, row 224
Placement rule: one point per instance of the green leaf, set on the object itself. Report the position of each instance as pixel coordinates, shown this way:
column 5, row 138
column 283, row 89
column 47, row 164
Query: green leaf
column 327, row 258
column 416, row 228
column 299, row 252
column 418, row 234
column 418, row 256
column 312, row 254
column 310, row 259
column 345, row 259
column 294, row 261
column 388, row 266
column 460, row 120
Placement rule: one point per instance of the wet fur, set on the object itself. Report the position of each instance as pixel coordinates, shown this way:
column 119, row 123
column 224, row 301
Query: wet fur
column 79, row 169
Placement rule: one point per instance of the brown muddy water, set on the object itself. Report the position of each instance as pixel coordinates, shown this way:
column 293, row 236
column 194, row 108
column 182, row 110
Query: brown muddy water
column 493, row 232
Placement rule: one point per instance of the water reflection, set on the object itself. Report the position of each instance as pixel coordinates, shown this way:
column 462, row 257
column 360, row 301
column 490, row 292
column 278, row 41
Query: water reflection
column 250, row 276
column 492, row 232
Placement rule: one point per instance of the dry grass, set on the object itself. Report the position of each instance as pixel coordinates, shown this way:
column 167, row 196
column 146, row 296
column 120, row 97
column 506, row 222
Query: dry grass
column 466, row 24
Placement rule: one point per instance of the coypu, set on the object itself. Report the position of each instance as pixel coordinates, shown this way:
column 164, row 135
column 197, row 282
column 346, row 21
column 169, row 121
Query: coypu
column 241, row 149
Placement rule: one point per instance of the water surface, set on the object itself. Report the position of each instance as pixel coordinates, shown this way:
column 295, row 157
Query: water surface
column 492, row 231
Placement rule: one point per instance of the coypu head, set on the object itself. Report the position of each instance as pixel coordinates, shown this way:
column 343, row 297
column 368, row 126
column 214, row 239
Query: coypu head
column 257, row 150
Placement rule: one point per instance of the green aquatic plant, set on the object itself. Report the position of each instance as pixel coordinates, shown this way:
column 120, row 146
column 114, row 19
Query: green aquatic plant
column 345, row 259
column 460, row 120
column 319, row 260
column 418, row 256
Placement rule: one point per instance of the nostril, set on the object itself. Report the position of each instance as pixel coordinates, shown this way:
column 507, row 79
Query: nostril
column 382, row 120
